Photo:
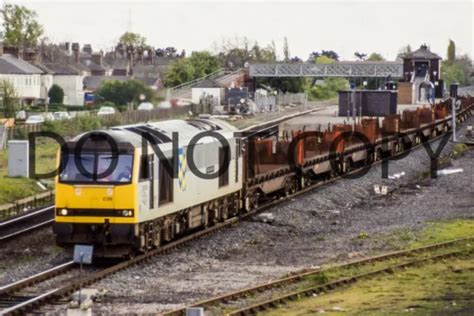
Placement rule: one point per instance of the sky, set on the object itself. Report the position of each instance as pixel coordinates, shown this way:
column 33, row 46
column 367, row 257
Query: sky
column 344, row 26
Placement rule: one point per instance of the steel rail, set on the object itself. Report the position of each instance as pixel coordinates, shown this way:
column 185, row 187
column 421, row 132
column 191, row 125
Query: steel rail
column 21, row 218
column 26, row 223
column 333, row 285
column 87, row 280
column 294, row 278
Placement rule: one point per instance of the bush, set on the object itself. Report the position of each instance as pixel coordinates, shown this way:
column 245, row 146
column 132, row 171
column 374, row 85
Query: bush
column 328, row 90
column 76, row 108
column 56, row 94
column 74, row 126
column 123, row 92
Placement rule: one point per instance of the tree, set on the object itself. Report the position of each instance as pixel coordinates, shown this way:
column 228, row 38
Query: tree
column 324, row 60
column 283, row 84
column 331, row 54
column 198, row 65
column 56, row 94
column 9, row 98
column 328, row 53
column 375, row 57
column 203, row 63
column 130, row 38
column 456, row 69
column 452, row 72
column 451, row 55
column 124, row 92
column 403, row 51
column 170, row 51
column 328, row 89
column 237, row 52
column 21, row 29
column 179, row 72
column 286, row 51
column 360, row 56
column 459, row 70
column 296, row 59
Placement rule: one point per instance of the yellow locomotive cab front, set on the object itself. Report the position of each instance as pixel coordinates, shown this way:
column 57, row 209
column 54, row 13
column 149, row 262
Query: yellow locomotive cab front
column 96, row 199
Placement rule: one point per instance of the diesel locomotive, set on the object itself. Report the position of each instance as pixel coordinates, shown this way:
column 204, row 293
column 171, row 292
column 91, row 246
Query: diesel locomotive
column 129, row 189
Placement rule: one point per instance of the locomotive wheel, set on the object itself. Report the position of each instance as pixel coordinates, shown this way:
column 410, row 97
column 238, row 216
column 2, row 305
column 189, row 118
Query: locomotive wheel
column 255, row 197
column 401, row 147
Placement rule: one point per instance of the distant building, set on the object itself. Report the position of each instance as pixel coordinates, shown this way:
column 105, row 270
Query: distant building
column 25, row 77
column 70, row 79
column 422, row 80
column 206, row 89
column 422, row 62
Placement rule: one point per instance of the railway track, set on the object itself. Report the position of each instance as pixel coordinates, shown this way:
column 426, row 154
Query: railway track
column 25, row 223
column 250, row 301
column 67, row 286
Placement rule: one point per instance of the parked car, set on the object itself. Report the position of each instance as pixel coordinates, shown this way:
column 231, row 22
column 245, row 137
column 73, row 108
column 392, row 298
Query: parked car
column 35, row 119
column 20, row 115
column 184, row 102
column 165, row 105
column 146, row 106
column 61, row 115
column 106, row 110
column 48, row 116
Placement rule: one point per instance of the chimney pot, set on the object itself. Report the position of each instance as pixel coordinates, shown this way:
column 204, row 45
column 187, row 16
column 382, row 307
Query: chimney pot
column 97, row 58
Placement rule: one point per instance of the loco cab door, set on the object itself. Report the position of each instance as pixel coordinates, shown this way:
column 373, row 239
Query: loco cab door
column 147, row 183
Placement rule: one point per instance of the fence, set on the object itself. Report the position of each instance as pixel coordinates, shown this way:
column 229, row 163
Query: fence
column 273, row 103
column 21, row 131
column 26, row 204
column 136, row 116
column 129, row 117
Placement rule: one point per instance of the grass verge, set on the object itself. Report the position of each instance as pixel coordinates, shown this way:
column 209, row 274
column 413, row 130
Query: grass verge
column 12, row 189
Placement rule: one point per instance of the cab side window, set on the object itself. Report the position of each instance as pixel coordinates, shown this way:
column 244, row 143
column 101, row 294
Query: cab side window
column 166, row 182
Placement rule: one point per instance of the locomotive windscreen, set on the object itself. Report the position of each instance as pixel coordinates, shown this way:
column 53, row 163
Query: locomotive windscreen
column 95, row 168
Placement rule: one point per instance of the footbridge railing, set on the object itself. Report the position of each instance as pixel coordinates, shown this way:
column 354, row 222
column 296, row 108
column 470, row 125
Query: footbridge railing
column 338, row 69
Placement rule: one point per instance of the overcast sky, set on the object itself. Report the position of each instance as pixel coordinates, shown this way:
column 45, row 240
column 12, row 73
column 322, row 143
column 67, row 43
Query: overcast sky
column 344, row 26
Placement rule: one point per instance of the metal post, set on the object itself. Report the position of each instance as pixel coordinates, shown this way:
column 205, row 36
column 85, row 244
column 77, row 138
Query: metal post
column 454, row 118
column 80, row 278
column 353, row 106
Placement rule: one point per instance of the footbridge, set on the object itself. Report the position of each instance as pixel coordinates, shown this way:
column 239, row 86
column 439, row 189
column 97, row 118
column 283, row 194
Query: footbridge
column 380, row 69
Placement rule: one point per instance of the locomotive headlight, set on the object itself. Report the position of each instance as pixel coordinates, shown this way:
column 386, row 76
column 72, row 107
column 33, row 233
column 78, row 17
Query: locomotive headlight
column 126, row 213
column 63, row 212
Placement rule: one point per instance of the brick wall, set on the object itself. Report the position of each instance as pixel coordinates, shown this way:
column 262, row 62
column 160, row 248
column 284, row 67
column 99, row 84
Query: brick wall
column 405, row 93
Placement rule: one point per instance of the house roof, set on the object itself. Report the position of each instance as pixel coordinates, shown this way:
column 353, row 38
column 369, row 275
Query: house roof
column 13, row 65
column 422, row 53
column 116, row 63
column 149, row 81
column 91, row 64
column 94, row 82
column 207, row 83
column 60, row 69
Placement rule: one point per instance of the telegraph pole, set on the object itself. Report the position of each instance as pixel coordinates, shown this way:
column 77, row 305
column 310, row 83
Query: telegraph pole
column 453, row 92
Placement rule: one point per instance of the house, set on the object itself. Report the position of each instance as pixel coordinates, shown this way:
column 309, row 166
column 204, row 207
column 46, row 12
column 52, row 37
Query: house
column 151, row 75
column 206, row 89
column 94, row 63
column 70, row 79
column 25, row 77
column 422, row 76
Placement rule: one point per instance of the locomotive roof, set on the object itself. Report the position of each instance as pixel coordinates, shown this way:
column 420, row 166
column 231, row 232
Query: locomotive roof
column 162, row 132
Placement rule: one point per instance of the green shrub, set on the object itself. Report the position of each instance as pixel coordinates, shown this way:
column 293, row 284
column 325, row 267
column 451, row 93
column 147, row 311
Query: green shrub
column 328, row 90
column 56, row 94
column 111, row 121
column 74, row 126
